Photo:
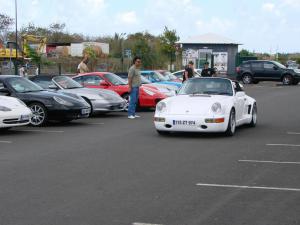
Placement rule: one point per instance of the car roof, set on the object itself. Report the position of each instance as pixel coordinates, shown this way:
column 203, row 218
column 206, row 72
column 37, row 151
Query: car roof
column 249, row 61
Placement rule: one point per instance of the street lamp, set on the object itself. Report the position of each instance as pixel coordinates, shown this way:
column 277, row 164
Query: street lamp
column 122, row 35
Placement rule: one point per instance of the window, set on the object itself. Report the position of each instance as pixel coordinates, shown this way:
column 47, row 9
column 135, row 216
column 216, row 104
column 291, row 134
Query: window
column 44, row 83
column 246, row 65
column 256, row 65
column 92, row 80
column 79, row 80
column 268, row 66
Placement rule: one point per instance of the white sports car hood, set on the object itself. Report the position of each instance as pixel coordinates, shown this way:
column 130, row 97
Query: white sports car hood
column 194, row 104
column 10, row 102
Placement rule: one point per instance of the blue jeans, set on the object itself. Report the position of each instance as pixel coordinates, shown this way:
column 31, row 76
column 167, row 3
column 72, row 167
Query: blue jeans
column 133, row 100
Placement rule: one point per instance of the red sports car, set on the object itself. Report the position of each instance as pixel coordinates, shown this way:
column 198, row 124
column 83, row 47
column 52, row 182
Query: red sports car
column 148, row 98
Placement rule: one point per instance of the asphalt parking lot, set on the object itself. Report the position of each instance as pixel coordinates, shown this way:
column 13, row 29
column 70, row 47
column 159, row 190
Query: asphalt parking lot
column 108, row 170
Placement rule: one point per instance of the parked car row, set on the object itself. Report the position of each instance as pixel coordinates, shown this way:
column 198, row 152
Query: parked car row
column 44, row 105
column 62, row 98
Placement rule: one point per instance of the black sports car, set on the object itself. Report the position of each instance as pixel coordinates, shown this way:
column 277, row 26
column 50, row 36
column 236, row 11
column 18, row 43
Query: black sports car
column 45, row 105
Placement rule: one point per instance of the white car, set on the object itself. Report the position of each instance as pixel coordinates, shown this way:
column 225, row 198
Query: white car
column 13, row 112
column 206, row 105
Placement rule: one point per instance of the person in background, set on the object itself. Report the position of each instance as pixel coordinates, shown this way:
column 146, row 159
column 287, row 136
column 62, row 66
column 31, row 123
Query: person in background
column 188, row 71
column 22, row 71
column 134, row 82
column 82, row 67
column 207, row 72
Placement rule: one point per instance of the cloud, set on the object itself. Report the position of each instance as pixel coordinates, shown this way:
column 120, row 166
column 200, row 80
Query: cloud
column 268, row 7
column 292, row 3
column 215, row 24
column 127, row 18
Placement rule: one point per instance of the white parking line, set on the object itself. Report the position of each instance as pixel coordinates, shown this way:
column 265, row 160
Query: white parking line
column 43, row 131
column 273, row 162
column 293, row 133
column 284, row 145
column 145, row 224
column 248, row 187
column 6, row 142
column 96, row 123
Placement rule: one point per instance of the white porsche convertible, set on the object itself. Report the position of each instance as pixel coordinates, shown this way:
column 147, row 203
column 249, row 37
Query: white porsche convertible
column 13, row 112
column 206, row 105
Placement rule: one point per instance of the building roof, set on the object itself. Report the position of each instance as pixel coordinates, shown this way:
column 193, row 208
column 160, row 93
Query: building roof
column 209, row 38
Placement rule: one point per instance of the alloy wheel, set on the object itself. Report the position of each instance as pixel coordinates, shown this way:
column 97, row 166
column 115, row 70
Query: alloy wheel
column 39, row 115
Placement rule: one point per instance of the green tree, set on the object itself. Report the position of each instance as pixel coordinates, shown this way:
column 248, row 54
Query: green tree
column 142, row 44
column 245, row 53
column 168, row 43
column 5, row 24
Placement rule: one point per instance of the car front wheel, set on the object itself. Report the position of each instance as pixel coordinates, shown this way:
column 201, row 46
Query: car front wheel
column 39, row 114
column 126, row 98
column 231, row 124
column 287, row 80
column 254, row 116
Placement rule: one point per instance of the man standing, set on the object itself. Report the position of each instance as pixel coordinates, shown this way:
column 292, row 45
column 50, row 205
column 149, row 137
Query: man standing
column 207, row 72
column 82, row 67
column 188, row 72
column 134, row 82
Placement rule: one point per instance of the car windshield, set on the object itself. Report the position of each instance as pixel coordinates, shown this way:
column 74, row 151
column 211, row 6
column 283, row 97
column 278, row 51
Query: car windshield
column 279, row 65
column 144, row 80
column 210, row 86
column 158, row 77
column 168, row 75
column 66, row 82
column 114, row 79
column 22, row 85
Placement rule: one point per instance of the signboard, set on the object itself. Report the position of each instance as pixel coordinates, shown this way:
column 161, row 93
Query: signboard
column 127, row 53
column 221, row 61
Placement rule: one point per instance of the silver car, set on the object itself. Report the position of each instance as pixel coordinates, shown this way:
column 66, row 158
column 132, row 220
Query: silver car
column 100, row 100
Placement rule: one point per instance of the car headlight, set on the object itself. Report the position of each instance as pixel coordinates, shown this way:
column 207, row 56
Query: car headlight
column 216, row 108
column 149, row 92
column 4, row 109
column 161, row 107
column 62, row 101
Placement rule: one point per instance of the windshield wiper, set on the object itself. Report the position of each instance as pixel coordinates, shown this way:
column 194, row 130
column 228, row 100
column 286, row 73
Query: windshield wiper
column 72, row 87
column 30, row 91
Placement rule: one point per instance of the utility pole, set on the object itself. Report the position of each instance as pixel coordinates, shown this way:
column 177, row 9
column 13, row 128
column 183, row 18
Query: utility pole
column 16, row 17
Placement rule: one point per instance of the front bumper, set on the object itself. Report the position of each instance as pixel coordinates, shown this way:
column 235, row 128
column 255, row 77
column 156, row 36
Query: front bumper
column 15, row 120
column 99, row 106
column 60, row 114
column 183, row 123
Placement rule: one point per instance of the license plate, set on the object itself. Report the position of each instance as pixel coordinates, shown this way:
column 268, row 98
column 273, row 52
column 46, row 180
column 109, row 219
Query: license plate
column 24, row 117
column 184, row 122
column 85, row 111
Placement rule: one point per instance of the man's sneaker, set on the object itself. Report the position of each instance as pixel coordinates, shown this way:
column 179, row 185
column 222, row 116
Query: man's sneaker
column 136, row 116
column 131, row 117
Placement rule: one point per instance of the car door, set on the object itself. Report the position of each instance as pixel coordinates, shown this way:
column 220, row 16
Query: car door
column 240, row 101
column 257, row 70
column 271, row 71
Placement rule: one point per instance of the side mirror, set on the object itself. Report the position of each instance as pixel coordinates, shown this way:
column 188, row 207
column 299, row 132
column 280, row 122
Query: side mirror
column 240, row 94
column 4, row 91
column 104, row 83
column 52, row 87
column 275, row 67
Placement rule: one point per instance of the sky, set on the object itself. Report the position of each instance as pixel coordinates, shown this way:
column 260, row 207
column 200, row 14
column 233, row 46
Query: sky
column 261, row 26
